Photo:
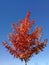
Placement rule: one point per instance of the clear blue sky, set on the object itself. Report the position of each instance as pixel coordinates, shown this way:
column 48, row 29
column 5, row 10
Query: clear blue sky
column 11, row 11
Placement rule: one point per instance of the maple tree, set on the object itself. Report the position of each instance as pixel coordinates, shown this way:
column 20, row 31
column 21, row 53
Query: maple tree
column 24, row 44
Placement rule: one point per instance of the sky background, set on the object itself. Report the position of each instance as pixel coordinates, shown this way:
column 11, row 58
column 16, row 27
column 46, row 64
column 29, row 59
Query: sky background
column 11, row 11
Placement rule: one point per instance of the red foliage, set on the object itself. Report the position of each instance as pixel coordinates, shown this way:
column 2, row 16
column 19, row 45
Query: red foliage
column 24, row 45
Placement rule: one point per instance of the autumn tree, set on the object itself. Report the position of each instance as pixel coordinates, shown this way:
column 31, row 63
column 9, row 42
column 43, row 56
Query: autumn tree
column 23, row 44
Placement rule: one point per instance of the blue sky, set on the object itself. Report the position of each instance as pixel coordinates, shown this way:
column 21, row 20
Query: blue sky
column 11, row 11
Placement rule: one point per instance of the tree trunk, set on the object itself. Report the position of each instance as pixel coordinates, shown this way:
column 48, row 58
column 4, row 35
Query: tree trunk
column 25, row 63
